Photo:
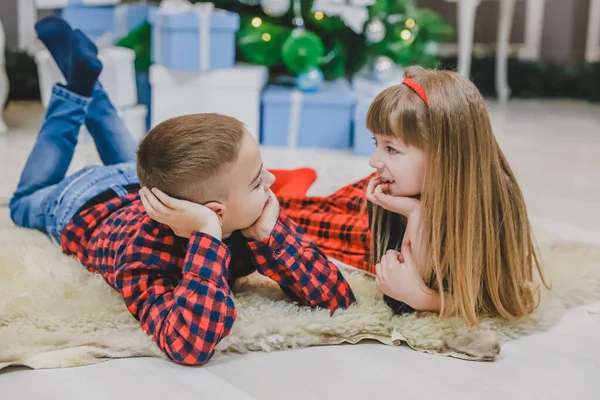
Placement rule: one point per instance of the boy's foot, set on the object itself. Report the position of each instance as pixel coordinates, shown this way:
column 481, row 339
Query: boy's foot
column 86, row 43
column 58, row 37
column 85, row 67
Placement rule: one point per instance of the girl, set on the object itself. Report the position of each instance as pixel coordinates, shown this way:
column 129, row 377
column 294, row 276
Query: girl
column 444, row 194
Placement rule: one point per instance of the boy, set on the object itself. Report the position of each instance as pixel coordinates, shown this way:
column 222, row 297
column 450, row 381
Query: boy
column 176, row 282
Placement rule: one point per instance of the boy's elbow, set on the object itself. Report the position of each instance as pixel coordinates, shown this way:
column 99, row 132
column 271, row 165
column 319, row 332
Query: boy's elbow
column 192, row 361
column 192, row 345
column 194, row 358
column 192, row 349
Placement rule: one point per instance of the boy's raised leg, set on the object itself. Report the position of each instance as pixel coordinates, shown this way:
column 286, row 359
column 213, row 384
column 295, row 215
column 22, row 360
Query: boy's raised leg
column 55, row 145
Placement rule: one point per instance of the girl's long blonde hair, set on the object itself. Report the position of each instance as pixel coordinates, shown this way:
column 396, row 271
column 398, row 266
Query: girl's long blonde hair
column 474, row 219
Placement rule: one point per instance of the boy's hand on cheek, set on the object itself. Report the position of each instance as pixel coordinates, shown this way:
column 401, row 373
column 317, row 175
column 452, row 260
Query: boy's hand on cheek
column 264, row 225
column 376, row 194
column 183, row 217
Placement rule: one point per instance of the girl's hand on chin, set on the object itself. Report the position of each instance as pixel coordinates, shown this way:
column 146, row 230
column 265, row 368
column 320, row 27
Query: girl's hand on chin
column 377, row 193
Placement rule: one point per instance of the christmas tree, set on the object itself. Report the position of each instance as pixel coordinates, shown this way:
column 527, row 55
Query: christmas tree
column 315, row 39
column 337, row 36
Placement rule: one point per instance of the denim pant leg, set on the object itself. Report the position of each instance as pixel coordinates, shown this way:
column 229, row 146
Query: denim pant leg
column 113, row 141
column 61, row 205
column 50, row 157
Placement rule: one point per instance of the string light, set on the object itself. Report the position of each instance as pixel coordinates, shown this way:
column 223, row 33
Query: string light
column 405, row 34
column 266, row 37
column 410, row 23
column 256, row 22
column 319, row 15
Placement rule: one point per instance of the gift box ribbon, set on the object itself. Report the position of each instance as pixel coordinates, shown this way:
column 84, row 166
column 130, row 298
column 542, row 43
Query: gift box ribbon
column 203, row 11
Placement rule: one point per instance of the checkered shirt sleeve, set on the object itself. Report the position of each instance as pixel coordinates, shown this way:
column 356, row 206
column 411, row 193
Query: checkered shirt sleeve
column 294, row 261
column 338, row 223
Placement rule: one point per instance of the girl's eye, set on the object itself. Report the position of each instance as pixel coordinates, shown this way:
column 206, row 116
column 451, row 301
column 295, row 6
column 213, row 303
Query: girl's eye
column 391, row 150
column 259, row 184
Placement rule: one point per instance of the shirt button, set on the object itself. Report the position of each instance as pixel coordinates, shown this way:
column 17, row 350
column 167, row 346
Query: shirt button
column 278, row 250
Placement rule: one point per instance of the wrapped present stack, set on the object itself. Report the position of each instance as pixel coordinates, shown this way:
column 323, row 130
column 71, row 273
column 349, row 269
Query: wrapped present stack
column 305, row 111
column 194, row 66
column 98, row 18
column 325, row 60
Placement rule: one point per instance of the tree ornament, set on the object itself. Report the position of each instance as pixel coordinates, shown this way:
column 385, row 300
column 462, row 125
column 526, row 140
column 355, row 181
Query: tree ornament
column 275, row 8
column 375, row 31
column 302, row 50
column 383, row 69
column 310, row 80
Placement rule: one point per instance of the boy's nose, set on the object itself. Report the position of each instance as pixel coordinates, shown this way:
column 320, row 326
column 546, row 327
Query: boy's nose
column 269, row 179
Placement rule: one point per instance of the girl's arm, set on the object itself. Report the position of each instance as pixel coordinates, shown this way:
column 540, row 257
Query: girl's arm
column 429, row 299
column 399, row 278
column 432, row 301
column 417, row 238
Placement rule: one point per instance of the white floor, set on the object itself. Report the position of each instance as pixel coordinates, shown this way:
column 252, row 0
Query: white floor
column 554, row 148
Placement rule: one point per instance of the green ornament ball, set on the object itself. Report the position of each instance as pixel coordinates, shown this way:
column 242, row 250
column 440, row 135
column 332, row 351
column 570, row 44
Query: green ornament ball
column 302, row 50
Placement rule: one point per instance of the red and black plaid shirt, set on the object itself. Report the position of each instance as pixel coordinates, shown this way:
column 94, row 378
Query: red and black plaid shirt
column 338, row 223
column 179, row 289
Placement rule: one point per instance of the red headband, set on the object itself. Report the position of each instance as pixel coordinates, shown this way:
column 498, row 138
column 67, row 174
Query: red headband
column 416, row 88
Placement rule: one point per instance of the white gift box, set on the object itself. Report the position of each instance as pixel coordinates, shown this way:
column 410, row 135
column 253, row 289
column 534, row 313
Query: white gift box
column 234, row 92
column 54, row 4
column 134, row 118
column 117, row 77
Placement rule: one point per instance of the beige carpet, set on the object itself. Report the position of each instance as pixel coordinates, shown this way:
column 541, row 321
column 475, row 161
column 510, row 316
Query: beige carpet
column 53, row 313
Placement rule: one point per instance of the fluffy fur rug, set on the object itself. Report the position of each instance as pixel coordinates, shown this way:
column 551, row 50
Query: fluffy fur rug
column 53, row 313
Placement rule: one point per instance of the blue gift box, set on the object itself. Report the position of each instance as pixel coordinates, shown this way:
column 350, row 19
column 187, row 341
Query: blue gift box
column 314, row 119
column 363, row 143
column 93, row 21
column 130, row 16
column 366, row 89
column 180, row 41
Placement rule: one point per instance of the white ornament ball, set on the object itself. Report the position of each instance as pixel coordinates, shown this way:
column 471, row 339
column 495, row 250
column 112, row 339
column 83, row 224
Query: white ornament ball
column 383, row 69
column 275, row 8
column 375, row 31
column 432, row 48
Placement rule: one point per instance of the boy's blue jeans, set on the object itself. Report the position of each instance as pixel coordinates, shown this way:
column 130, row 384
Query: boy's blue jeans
column 44, row 199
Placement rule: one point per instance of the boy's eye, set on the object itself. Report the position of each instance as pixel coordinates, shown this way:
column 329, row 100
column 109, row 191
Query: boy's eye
column 374, row 140
column 391, row 150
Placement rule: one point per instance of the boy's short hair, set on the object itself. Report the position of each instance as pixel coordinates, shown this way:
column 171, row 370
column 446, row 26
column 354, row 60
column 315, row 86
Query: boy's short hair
column 179, row 155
